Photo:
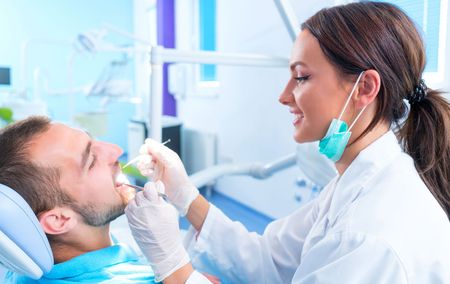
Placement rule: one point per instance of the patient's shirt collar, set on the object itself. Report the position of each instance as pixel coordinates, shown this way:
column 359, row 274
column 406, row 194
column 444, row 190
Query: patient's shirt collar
column 93, row 261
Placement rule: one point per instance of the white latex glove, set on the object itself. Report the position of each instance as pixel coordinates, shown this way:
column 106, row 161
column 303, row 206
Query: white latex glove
column 164, row 164
column 154, row 225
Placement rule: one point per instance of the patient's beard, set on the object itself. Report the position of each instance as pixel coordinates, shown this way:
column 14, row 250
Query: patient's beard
column 96, row 217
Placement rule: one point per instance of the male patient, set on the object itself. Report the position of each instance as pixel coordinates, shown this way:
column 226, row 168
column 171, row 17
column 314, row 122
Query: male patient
column 69, row 180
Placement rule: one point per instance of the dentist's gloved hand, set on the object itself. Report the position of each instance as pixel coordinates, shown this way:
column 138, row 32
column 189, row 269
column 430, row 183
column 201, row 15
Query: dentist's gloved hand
column 154, row 225
column 164, row 164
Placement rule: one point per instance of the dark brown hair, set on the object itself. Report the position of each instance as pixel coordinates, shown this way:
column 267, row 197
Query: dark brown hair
column 380, row 36
column 38, row 185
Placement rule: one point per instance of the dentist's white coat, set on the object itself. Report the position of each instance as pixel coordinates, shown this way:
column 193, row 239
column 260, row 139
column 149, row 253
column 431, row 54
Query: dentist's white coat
column 377, row 223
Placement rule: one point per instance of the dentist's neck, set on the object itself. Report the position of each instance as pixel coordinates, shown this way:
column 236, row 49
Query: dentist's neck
column 81, row 241
column 353, row 150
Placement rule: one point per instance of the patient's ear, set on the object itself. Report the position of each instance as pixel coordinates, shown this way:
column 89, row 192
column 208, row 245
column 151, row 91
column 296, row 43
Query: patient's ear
column 58, row 220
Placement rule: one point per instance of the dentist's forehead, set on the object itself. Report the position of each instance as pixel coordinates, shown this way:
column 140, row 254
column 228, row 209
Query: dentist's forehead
column 307, row 53
column 302, row 49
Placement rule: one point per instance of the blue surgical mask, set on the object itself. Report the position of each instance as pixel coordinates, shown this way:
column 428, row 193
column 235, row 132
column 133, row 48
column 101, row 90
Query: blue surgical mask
column 336, row 139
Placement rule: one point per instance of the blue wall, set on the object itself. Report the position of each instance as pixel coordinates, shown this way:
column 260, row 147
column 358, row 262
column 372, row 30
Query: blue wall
column 21, row 20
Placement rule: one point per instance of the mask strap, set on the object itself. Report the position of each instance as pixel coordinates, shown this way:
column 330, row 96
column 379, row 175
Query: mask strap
column 350, row 96
column 354, row 121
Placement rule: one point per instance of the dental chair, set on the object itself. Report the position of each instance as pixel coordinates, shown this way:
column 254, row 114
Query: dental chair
column 24, row 247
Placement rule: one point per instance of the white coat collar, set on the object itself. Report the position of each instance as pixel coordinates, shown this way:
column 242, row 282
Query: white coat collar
column 366, row 165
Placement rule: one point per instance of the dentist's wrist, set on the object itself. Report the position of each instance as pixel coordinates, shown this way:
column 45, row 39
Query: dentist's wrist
column 181, row 275
column 171, row 264
column 183, row 200
column 198, row 211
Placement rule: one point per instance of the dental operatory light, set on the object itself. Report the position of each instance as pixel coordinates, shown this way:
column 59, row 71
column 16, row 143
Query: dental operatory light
column 91, row 40
column 94, row 40
column 111, row 84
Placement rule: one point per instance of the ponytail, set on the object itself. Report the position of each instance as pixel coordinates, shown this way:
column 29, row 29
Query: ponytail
column 425, row 136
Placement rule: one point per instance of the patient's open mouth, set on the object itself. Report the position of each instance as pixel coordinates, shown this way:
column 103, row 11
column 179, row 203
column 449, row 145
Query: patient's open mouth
column 126, row 193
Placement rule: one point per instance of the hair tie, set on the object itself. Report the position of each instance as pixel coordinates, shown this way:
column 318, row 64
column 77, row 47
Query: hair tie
column 419, row 93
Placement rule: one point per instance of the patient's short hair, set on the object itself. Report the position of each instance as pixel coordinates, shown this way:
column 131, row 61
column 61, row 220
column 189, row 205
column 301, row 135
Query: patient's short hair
column 37, row 184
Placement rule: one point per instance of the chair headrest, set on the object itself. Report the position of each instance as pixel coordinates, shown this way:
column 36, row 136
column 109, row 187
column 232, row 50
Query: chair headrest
column 24, row 247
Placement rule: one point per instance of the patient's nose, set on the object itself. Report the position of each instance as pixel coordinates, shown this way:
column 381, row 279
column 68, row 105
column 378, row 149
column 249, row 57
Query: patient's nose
column 110, row 151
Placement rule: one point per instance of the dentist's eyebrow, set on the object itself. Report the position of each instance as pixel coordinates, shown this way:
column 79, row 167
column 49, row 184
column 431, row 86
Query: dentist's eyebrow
column 296, row 63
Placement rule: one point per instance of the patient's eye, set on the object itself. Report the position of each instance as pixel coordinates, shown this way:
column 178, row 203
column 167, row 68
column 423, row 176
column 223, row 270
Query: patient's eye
column 94, row 160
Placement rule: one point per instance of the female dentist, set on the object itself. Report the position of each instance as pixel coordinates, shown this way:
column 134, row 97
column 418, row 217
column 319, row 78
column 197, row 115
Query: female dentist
column 381, row 220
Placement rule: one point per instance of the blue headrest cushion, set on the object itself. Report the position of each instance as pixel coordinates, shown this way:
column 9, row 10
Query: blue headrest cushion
column 19, row 223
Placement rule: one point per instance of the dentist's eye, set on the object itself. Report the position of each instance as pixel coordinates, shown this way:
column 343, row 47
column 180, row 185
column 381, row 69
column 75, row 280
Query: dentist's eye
column 301, row 79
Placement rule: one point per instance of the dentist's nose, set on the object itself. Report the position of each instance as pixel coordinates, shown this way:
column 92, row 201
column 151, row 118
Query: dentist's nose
column 287, row 96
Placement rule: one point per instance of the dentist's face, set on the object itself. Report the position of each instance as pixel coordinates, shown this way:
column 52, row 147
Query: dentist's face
column 88, row 171
column 315, row 94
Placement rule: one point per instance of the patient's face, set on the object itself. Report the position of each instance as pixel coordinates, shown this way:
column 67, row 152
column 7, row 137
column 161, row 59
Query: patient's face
column 88, row 170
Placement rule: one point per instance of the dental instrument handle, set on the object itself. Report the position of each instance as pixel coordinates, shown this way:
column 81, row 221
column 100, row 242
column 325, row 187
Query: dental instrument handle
column 140, row 188
column 135, row 159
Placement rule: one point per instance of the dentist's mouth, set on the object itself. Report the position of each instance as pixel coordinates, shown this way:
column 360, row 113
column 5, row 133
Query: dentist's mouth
column 298, row 118
column 299, row 115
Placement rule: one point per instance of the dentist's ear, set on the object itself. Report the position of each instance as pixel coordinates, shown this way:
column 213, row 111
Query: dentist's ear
column 58, row 220
column 368, row 88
